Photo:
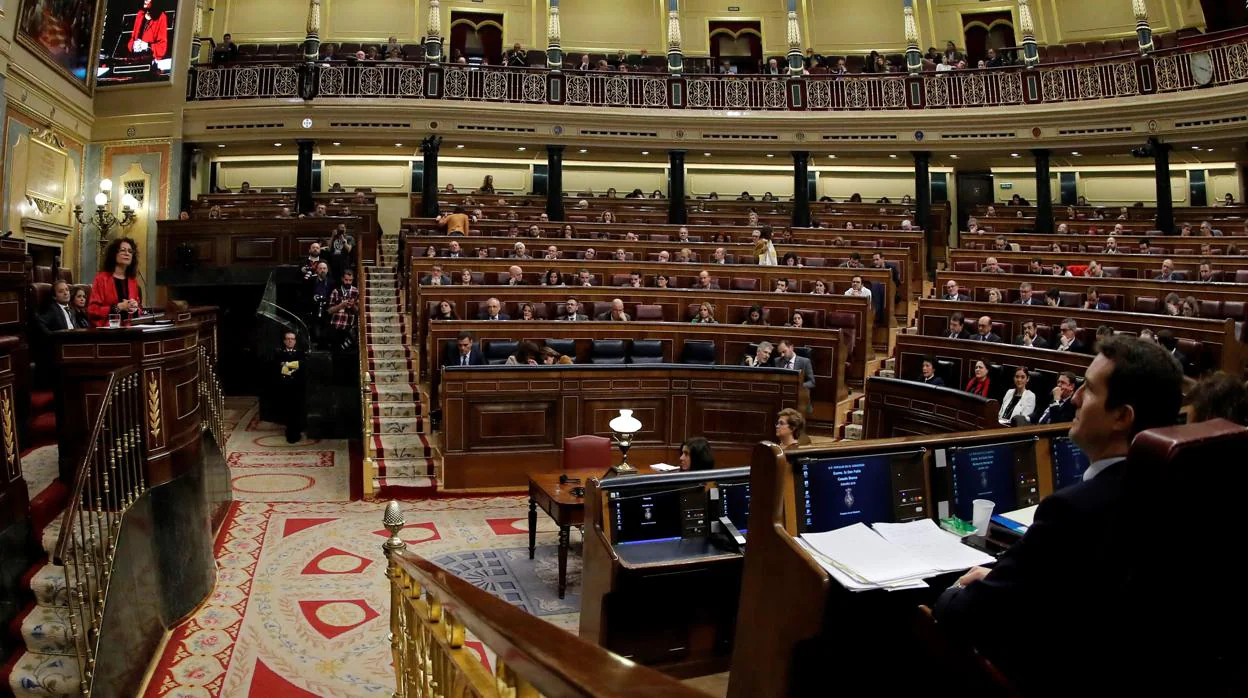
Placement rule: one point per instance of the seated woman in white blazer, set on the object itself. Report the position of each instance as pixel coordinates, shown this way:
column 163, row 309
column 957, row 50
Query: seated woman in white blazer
column 1018, row 403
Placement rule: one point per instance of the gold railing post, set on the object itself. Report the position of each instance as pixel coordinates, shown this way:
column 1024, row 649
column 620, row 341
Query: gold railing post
column 394, row 522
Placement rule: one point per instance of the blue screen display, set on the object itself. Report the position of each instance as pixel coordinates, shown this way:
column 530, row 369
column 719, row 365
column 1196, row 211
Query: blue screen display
column 736, row 503
column 1069, row 462
column 839, row 492
column 984, row 472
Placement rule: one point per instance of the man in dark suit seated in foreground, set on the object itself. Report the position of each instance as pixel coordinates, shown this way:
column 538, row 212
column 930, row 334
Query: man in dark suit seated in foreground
column 1050, row 613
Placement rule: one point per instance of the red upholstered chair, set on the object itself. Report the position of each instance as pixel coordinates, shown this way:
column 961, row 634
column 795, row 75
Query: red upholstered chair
column 653, row 313
column 586, row 452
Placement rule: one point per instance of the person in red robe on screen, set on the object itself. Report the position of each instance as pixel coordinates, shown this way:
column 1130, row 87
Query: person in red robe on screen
column 151, row 32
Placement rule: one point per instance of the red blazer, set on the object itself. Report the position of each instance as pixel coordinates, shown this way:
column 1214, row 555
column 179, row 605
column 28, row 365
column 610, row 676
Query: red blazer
column 104, row 297
column 156, row 34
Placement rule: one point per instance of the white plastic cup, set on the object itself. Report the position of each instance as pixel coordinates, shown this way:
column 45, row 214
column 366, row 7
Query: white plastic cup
column 114, row 320
column 981, row 514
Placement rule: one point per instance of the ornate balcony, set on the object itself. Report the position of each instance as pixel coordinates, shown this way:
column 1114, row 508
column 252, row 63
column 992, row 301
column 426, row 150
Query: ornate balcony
column 1218, row 60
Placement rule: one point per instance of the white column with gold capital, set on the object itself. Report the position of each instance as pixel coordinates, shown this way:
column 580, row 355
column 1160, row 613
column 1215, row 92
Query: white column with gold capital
column 1143, row 30
column 1031, row 54
column 794, row 35
column 312, row 44
column 433, row 33
column 914, row 57
column 554, row 51
column 196, row 42
column 675, row 57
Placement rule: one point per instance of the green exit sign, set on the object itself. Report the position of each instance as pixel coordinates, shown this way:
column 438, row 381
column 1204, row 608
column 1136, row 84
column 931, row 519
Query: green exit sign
column 1007, row 185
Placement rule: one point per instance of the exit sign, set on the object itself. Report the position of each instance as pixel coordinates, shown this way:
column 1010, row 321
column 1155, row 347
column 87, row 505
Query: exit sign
column 734, row 8
column 1007, row 185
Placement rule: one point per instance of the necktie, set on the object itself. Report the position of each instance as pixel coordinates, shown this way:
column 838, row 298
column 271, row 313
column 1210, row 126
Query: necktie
column 463, row 359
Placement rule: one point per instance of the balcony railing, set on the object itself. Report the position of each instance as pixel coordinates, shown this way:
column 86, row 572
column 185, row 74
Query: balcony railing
column 1220, row 60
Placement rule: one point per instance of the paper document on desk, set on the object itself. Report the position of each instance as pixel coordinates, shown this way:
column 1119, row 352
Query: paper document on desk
column 1022, row 518
column 664, row 467
column 850, row 583
column 932, row 545
column 866, row 556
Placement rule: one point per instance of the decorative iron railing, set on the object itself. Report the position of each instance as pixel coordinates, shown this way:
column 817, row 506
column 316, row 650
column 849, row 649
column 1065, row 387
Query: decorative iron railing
column 434, row 614
column 1220, row 60
column 109, row 480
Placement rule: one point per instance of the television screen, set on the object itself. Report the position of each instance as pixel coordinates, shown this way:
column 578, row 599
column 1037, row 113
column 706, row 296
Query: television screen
column 136, row 43
column 647, row 516
column 990, row 472
column 838, row 492
column 1069, row 462
column 736, row 504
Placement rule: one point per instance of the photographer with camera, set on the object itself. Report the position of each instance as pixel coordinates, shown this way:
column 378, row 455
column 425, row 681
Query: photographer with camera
column 343, row 312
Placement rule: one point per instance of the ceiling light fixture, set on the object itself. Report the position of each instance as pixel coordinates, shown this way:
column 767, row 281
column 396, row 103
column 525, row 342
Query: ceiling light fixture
column 337, row 143
column 277, row 145
column 584, row 150
column 645, row 152
column 220, row 145
column 522, row 148
column 893, row 156
column 398, row 145
column 1195, row 147
column 1076, row 153
column 461, row 145
column 706, row 155
column 953, row 157
column 1015, row 155
column 771, row 155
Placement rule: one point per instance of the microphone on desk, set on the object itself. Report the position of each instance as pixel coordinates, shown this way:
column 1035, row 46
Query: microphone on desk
column 564, row 479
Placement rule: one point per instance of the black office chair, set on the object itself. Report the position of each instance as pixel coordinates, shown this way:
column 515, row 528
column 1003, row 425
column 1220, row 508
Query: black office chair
column 803, row 351
column 646, row 351
column 699, row 352
column 496, row 353
column 566, row 347
column 945, row 369
column 607, row 351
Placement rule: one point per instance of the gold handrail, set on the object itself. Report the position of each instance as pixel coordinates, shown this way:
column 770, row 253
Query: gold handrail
column 432, row 612
column 109, row 479
column 366, row 379
column 213, row 399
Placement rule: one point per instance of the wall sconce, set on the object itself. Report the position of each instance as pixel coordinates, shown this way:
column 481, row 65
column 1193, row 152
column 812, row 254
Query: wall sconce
column 623, row 428
column 102, row 218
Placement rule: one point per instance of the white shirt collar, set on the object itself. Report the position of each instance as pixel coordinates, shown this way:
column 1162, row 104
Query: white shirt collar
column 1096, row 468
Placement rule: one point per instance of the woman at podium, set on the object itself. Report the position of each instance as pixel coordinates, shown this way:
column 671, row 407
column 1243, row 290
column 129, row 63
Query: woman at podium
column 115, row 291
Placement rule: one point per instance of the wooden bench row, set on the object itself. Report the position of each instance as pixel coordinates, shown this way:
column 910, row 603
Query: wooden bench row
column 1095, row 244
column 847, row 316
column 913, row 242
column 257, row 244
column 1207, row 343
column 813, row 257
column 1011, row 224
column 679, row 343
column 1131, row 266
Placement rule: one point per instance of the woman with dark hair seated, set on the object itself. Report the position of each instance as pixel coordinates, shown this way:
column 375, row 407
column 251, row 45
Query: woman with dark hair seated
column 1220, row 395
column 445, row 311
column 526, row 355
column 696, row 454
column 115, row 290
column 551, row 357
column 979, row 383
column 754, row 316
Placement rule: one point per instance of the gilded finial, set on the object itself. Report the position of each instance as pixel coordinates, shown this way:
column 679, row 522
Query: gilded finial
column 394, row 522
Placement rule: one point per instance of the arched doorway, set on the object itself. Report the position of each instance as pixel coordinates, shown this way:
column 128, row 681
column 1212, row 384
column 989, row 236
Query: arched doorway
column 738, row 43
column 478, row 36
column 985, row 30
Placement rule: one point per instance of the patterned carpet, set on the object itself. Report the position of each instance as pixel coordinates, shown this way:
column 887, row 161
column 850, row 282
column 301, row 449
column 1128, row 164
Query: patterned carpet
column 301, row 606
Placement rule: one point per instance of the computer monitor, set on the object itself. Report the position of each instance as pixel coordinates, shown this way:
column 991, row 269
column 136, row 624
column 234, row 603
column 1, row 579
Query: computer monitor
column 1004, row 473
column 656, row 514
column 735, row 503
column 1069, row 462
column 836, row 492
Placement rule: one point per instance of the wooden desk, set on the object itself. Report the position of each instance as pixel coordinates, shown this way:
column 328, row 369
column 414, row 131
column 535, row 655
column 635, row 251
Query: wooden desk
column 567, row 510
column 246, row 249
column 502, row 423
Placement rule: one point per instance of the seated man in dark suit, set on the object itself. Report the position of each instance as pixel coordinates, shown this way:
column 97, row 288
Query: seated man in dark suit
column 61, row 315
column 1062, row 409
column 468, row 354
column 493, row 311
column 957, row 327
column 952, row 293
column 1029, row 338
column 1026, row 296
column 572, row 312
column 1069, row 340
column 929, row 376
column 1063, row 580
column 435, row 277
column 1170, row 343
column 985, row 333
column 615, row 314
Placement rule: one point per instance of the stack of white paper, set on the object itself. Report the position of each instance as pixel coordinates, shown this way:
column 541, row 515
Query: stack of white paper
column 893, row 556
